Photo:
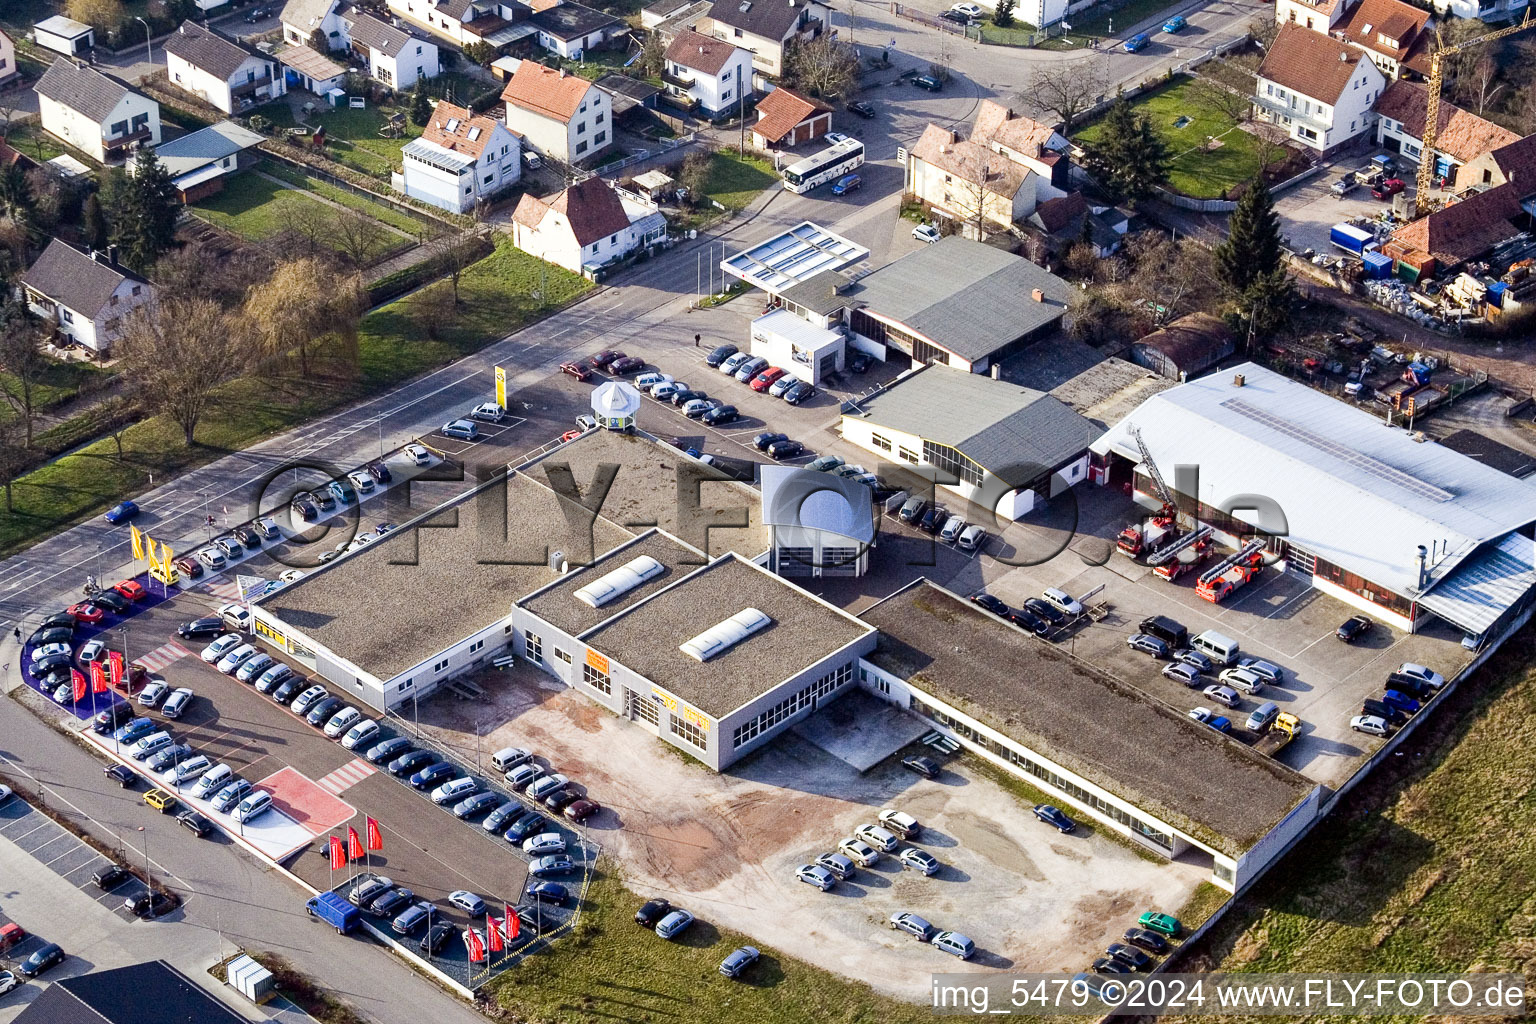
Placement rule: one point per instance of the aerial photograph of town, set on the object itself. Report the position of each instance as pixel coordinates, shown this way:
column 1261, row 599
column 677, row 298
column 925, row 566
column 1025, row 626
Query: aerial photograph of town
column 742, row 511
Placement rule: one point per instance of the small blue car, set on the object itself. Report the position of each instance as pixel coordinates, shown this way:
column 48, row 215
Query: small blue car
column 847, row 183
column 122, row 512
column 1401, row 701
column 1136, row 42
column 1175, row 24
column 1221, row 723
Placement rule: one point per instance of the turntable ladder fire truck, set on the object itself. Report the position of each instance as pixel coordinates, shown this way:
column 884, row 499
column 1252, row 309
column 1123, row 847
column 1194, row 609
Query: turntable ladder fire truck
column 1166, row 561
column 1145, row 538
column 1232, row 572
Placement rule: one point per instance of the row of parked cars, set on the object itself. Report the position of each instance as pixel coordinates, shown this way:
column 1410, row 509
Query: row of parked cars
column 755, row 372
column 864, row 849
column 931, row 517
column 52, row 656
column 1042, row 615
column 1150, row 936
column 1407, row 690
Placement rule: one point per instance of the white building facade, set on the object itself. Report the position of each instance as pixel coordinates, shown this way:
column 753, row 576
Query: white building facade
column 459, row 159
column 98, row 115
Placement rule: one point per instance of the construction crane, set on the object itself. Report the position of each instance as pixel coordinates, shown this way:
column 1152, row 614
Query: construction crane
column 1136, row 538
column 1432, row 108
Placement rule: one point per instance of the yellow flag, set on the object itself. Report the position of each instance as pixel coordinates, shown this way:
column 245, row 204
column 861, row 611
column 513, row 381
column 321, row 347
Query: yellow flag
column 165, row 557
column 150, row 547
column 501, row 386
column 138, row 542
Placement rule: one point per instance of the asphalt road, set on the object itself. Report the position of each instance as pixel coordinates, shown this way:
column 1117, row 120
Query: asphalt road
column 226, row 891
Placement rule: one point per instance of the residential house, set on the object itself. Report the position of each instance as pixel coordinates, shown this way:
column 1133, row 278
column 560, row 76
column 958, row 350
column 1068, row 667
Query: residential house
column 767, row 27
column 313, row 69
column 199, row 162
column 685, row 12
column 393, row 56
column 1483, row 10
column 1394, row 33
column 8, row 69
column 997, row 177
column 1514, row 162
column 706, row 73
column 1059, row 224
column 786, row 119
column 459, row 159
column 64, row 35
column 96, row 113
column 1438, row 243
column 467, row 21
column 85, row 294
column 570, row 30
column 220, row 72
column 560, row 116
column 589, row 224
column 1319, row 90
column 1460, row 135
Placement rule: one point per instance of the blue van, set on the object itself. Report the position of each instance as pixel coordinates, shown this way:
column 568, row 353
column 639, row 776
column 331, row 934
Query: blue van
column 847, row 183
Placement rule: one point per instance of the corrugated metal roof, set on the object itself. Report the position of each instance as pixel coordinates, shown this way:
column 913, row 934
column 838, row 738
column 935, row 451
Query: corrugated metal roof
column 188, row 153
column 1354, row 491
column 1486, row 586
column 1013, row 432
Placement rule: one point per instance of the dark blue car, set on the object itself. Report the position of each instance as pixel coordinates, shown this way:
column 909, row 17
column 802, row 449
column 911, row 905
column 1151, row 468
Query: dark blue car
column 122, row 512
column 1055, row 817
column 1136, row 42
column 433, row 774
column 1400, row 701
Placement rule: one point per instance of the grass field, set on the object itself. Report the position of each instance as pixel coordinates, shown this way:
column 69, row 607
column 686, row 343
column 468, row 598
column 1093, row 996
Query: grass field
column 59, row 381
column 352, row 136
column 351, row 200
column 1428, row 866
column 735, row 180
column 1194, row 171
column 500, row 294
column 608, row 970
column 256, row 208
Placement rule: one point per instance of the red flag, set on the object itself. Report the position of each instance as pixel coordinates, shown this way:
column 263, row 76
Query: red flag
column 98, row 678
column 513, row 923
column 338, row 854
column 476, row 947
column 354, row 844
column 493, row 933
column 79, row 681
column 375, row 840
column 116, row 658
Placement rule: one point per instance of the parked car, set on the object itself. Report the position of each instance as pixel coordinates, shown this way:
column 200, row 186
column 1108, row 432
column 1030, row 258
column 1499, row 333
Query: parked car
column 720, row 354
column 554, row 864
column 464, row 430
column 109, row 877
column 815, row 875
column 858, row 851
column 1147, row 644
column 544, row 843
column 847, row 183
column 780, row 450
column 841, row 867
column 488, row 412
column 921, row 861
column 954, row 944
column 288, row 689
column 906, row 921
column 122, row 512
column 121, row 774
column 112, row 602
column 230, row 795
column 929, row 82
column 360, row 734
column 1353, row 628
column 721, row 414
column 253, row 669
column 766, row 438
column 1163, row 924
column 1194, row 659
column 799, row 391
column 924, row 766
column 195, row 823
column 1025, row 619
column 440, row 934
column 42, row 960
column 628, row 364
column 1148, row 940
column 433, row 775
column 1429, row 677
column 581, row 809
column 606, row 356
column 881, row 839
column 549, row 892
column 1186, row 675
column 1061, row 601
column 132, row 590
column 739, row 960
column 210, row 625
column 1223, row 695
column 87, row 612
column 1056, row 818
column 176, row 703
column 674, row 924
column 1388, row 188
column 862, row 108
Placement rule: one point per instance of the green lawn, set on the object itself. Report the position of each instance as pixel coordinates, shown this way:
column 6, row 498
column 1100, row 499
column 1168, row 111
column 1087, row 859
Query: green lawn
column 351, row 200
column 30, row 139
column 59, row 381
column 608, row 970
column 735, row 180
column 1195, row 170
column 1018, row 34
column 500, row 294
column 352, row 138
column 1428, row 865
column 256, row 208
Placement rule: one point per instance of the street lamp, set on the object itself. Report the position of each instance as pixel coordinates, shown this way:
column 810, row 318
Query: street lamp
column 147, row 881
column 149, row 50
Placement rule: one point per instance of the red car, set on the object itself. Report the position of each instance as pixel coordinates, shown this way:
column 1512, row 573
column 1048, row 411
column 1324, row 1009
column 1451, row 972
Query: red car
column 131, row 590
column 86, row 612
column 576, row 370
column 626, row 364
column 191, row 568
column 605, row 357
column 570, row 435
column 1389, row 188
column 581, row 810
column 764, row 380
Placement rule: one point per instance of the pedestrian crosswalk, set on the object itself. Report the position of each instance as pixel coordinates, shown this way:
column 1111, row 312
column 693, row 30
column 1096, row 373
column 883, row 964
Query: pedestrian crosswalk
column 162, row 656
column 347, row 776
column 227, row 590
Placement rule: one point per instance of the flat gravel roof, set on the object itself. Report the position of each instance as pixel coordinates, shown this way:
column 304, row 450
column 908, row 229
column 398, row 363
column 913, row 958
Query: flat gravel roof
column 804, row 630
column 1127, row 742
column 558, row 606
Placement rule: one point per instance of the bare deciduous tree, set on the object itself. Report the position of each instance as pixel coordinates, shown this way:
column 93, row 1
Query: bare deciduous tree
column 1263, row 31
column 822, row 67
column 22, row 359
column 1068, row 88
column 103, row 14
column 1220, row 100
column 1483, row 81
column 190, row 271
column 303, row 302
column 175, row 353
column 13, row 458
column 433, row 308
column 358, row 237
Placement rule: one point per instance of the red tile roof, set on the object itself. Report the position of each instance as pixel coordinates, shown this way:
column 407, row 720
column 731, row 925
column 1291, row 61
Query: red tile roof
column 1517, row 162
column 1310, row 63
column 469, row 132
column 591, row 207
column 996, row 123
column 1057, row 214
column 1462, row 230
column 700, row 52
column 545, row 91
column 1370, row 20
column 781, row 110
column 966, row 160
column 1460, row 133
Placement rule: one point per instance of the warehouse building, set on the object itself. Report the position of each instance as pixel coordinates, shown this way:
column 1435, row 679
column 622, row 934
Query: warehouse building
column 1098, row 746
column 1008, row 448
column 1397, row 526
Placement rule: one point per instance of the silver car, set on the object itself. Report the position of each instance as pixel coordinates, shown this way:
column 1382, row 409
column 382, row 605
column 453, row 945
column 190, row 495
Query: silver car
column 1223, row 695
column 815, row 874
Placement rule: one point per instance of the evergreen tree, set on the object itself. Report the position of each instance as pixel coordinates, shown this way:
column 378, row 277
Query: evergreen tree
column 15, row 190
column 141, row 210
column 1003, row 16
column 421, row 107
column 93, row 223
column 1252, row 247
column 1267, row 303
column 1129, row 158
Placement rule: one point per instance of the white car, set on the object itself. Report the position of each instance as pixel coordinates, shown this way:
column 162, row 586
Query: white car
column 360, row 734
column 291, row 575
column 95, row 650
column 236, row 657
column 213, row 558
column 860, row 852
column 543, row 843
column 417, row 454
column 177, row 702
column 267, row 527
column 877, row 837
column 731, row 364
column 49, row 651
column 362, row 481
column 1431, row 678
column 236, row 615
column 967, row 9
column 342, row 720
column 153, row 693
column 926, row 233
column 222, row 646
column 648, row 380
column 815, row 874
column 187, row 770
column 488, row 412
column 1371, row 724
column 1062, row 601
column 8, row 981
column 1202, row 715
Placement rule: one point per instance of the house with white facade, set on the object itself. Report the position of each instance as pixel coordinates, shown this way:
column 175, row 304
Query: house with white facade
column 1318, row 89
column 8, row 71
column 220, row 72
column 1483, row 10
column 393, row 56
column 767, row 27
column 589, row 224
column 560, row 116
column 302, row 18
column 460, row 158
column 470, row 21
column 85, row 294
column 707, row 74
column 96, row 113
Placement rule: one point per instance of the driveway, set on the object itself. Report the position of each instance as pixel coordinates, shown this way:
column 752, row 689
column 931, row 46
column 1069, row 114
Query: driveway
column 726, row 846
column 1310, row 210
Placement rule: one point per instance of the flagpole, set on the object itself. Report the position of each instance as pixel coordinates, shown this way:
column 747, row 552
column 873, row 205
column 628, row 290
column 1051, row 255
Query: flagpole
column 329, row 856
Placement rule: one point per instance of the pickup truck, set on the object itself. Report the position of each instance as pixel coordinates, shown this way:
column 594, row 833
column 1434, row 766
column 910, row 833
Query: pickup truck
column 1345, row 185
column 1281, row 731
column 335, row 911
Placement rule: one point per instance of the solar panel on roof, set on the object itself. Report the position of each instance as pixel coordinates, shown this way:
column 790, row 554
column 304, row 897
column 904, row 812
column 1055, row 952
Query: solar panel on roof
column 1359, row 460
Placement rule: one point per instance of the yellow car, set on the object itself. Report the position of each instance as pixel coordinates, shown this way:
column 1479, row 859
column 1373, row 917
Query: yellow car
column 160, row 800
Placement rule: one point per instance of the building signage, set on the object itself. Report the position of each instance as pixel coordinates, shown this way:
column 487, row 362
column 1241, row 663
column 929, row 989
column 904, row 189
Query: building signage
column 676, row 706
column 597, row 661
column 262, row 629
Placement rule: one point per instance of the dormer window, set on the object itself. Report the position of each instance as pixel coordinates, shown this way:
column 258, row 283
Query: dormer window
column 1387, row 41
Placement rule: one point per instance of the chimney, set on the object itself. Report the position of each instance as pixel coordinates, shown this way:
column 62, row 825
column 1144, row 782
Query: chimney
column 1422, row 571
column 1037, row 295
column 1343, row 57
column 112, row 254
column 1238, row 380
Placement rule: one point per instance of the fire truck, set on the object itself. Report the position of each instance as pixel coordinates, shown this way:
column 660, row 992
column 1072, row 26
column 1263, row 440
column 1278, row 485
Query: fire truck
column 1231, row 573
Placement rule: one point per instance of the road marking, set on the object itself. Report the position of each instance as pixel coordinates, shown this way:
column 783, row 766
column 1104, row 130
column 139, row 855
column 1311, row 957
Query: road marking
column 162, row 656
column 347, row 776
column 226, row 591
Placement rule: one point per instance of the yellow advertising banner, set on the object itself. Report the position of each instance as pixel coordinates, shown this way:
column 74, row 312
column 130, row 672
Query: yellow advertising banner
column 501, row 386
column 138, row 541
column 597, row 661
column 666, row 698
column 149, row 549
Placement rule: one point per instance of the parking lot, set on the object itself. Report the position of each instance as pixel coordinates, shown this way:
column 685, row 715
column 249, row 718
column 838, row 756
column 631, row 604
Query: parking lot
column 1309, row 211
column 726, row 846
